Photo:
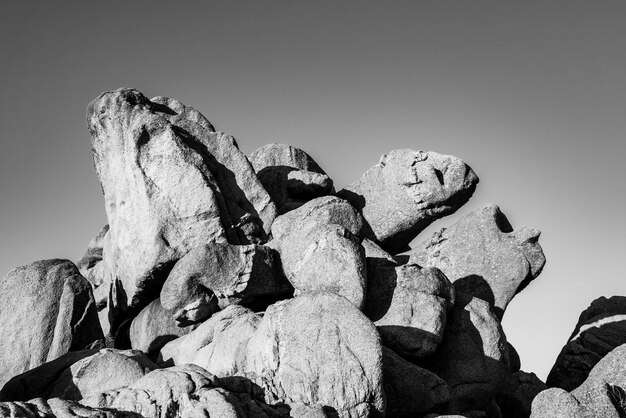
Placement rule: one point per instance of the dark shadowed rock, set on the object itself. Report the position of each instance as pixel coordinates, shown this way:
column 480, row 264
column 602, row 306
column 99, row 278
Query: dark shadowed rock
column 318, row 349
column 46, row 309
column 483, row 256
column 154, row 327
column 472, row 357
column 219, row 344
column 327, row 258
column 410, row 390
column 170, row 184
column 406, row 191
column 290, row 175
column 214, row 276
column 517, row 393
column 600, row 328
column 409, row 306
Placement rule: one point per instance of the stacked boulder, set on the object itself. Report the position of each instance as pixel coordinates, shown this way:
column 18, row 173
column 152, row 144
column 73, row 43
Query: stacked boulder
column 233, row 286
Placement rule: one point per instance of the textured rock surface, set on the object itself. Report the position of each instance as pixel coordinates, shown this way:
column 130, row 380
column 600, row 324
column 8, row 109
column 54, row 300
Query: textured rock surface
column 154, row 327
column 410, row 390
column 290, row 175
column 214, row 276
column 58, row 408
column 483, row 256
column 409, row 306
column 170, row 184
column 328, row 258
column 47, row 309
column 318, row 349
column 87, row 265
column 600, row 328
column 473, row 356
column 406, row 191
column 517, row 393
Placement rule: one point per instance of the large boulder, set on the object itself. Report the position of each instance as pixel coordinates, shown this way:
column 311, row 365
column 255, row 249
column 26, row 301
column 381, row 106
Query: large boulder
column 214, row 276
column 600, row 328
column 484, row 256
column 318, row 349
column 290, row 175
column 325, row 259
column 47, row 309
column 406, row 191
column 170, row 184
column 473, row 357
column 410, row 390
column 409, row 306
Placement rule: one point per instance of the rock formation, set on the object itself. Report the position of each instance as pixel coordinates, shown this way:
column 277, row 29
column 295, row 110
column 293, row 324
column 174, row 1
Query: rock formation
column 233, row 286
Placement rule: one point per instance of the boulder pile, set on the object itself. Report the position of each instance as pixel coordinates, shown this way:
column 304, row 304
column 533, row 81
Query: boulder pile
column 227, row 285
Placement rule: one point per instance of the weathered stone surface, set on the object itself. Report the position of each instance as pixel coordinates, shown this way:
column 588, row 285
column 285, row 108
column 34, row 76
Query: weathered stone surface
column 600, row 328
column 58, row 408
column 517, row 393
column 93, row 256
column 410, row 390
column 154, row 327
column 327, row 258
column 409, row 306
column 318, row 212
column 214, row 276
column 170, row 184
column 472, row 357
column 483, row 256
column 290, row 175
column 318, row 349
column 46, row 309
column 218, row 345
column 406, row 191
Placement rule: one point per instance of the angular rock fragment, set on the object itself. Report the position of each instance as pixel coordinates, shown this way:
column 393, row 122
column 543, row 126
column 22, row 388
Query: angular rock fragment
column 154, row 327
column 92, row 257
column 409, row 306
column 600, row 328
column 214, row 276
column 406, row 191
column 170, row 184
column 290, row 175
column 325, row 259
column 517, row 393
column 46, row 309
column 410, row 390
column 472, row 358
column 318, row 349
column 484, row 256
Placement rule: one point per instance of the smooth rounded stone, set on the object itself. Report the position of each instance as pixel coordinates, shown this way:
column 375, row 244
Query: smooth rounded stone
column 600, row 328
column 154, row 327
column 408, row 190
column 557, row 403
column 472, row 357
column 410, row 390
column 214, row 276
column 318, row 349
column 290, row 175
column 329, row 259
column 409, row 306
column 484, row 256
column 318, row 212
column 170, row 184
column 92, row 256
column 218, row 345
column 517, row 393
column 59, row 408
column 47, row 310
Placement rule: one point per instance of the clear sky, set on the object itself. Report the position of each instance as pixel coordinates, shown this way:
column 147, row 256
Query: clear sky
column 532, row 95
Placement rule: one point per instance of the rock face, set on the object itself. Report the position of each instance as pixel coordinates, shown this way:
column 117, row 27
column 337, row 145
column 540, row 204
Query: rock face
column 214, row 276
column 516, row 395
column 600, row 328
column 473, row 358
column 88, row 263
column 46, row 309
column 290, row 175
column 483, row 256
column 406, row 191
column 170, row 184
column 409, row 306
column 318, row 349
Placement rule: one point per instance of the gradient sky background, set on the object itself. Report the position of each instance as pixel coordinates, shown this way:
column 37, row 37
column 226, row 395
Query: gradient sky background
column 532, row 95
